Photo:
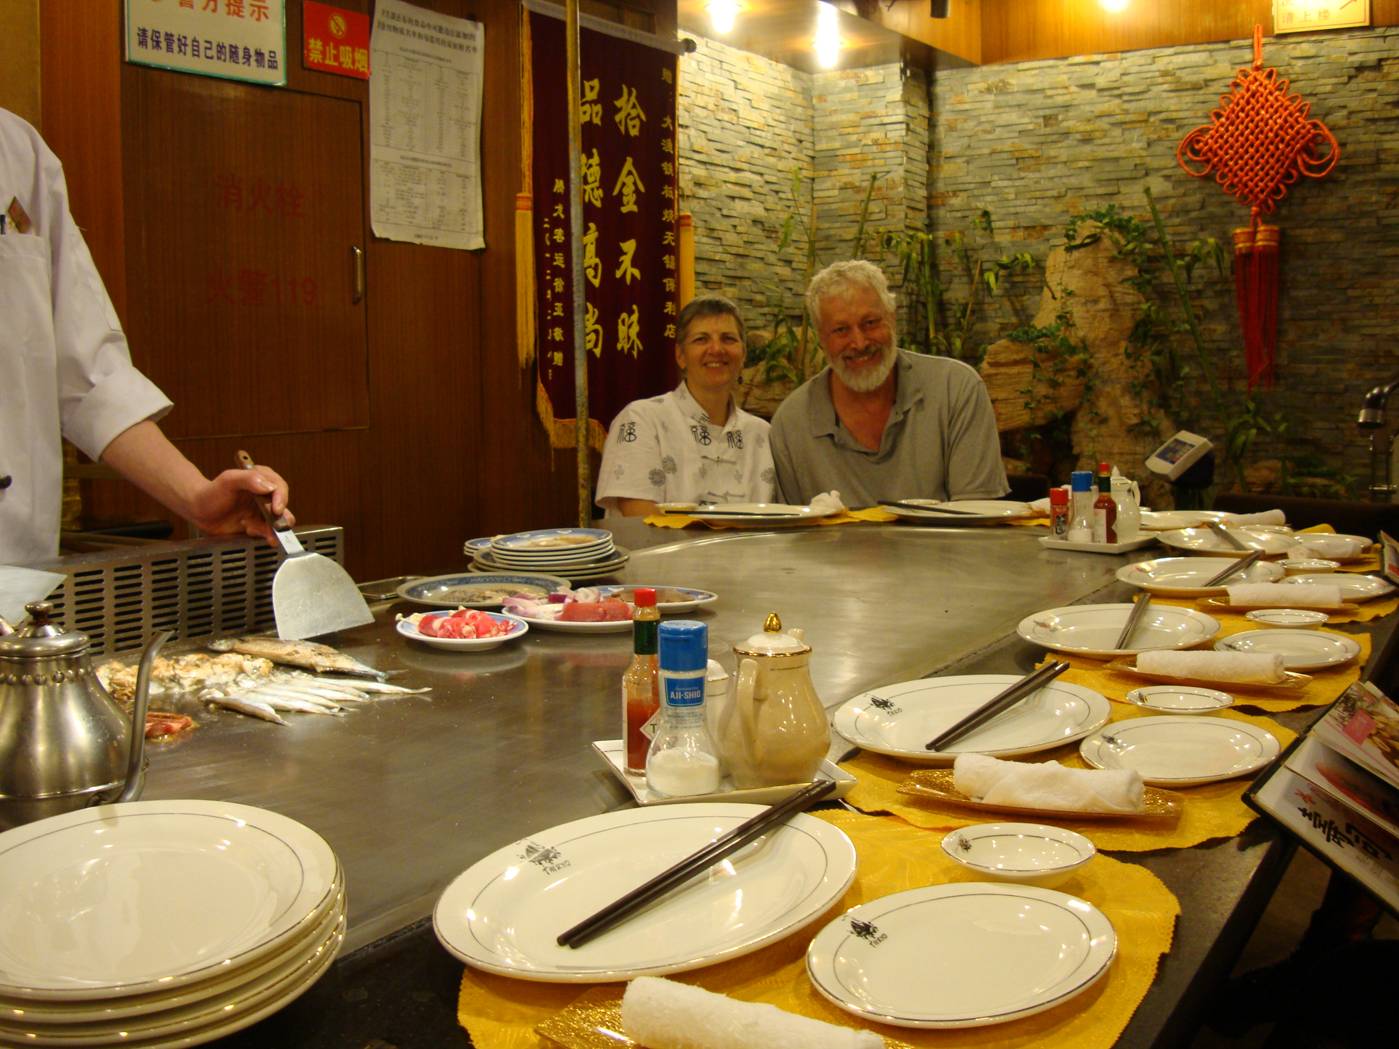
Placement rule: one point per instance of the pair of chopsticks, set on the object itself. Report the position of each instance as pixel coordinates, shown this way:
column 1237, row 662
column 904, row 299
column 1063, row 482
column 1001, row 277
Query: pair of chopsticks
column 1234, row 542
column 999, row 704
column 931, row 509
column 1133, row 618
column 1240, row 565
column 696, row 863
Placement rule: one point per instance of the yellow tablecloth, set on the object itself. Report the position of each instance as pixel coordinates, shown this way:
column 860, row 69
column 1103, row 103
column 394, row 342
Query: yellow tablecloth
column 1215, row 810
column 501, row 1013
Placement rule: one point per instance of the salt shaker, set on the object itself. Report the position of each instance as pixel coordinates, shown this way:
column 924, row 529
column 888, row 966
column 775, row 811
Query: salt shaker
column 682, row 759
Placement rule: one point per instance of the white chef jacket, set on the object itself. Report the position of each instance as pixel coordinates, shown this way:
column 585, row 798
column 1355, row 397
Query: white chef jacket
column 665, row 449
column 64, row 363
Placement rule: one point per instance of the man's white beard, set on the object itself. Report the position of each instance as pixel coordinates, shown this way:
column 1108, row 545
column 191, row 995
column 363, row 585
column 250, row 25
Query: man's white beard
column 864, row 380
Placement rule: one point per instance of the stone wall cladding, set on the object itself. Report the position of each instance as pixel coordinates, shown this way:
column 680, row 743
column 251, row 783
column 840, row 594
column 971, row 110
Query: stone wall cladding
column 1037, row 142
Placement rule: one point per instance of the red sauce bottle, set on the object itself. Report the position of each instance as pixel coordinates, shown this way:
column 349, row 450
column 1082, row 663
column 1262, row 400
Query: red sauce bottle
column 641, row 696
column 1105, row 508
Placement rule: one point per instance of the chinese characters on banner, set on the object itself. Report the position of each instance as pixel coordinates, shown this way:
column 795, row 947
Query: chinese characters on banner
column 630, row 253
column 425, row 127
column 335, row 40
column 233, row 39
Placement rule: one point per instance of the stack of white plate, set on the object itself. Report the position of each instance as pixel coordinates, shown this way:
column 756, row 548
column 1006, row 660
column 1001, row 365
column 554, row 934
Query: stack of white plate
column 161, row 923
column 574, row 553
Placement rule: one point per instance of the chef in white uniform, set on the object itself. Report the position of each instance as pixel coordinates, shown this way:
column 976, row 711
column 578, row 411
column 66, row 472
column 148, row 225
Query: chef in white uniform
column 65, row 371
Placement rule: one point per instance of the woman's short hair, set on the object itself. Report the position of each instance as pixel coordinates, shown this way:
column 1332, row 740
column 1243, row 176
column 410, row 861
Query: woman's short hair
column 839, row 279
column 709, row 306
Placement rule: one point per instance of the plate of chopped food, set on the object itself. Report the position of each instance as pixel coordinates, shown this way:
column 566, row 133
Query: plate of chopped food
column 588, row 610
column 479, row 590
column 669, row 599
column 465, row 630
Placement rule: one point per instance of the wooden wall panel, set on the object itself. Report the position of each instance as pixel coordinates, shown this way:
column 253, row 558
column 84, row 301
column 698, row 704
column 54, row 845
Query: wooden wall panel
column 1022, row 30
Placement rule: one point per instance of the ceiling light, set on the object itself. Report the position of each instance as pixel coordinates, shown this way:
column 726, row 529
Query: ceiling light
column 1113, row 7
column 827, row 36
column 722, row 15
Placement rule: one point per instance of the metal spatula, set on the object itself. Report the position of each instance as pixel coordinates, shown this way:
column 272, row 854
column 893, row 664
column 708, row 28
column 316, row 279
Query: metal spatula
column 311, row 594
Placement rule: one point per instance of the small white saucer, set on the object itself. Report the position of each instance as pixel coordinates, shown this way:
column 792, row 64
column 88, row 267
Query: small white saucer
column 1296, row 617
column 1180, row 699
column 1026, row 853
column 1308, row 565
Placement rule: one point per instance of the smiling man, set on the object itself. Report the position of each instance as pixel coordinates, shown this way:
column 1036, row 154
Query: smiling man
column 693, row 444
column 881, row 423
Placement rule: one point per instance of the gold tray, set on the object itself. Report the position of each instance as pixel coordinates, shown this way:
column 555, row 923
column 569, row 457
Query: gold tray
column 594, row 1021
column 1161, row 805
column 1291, row 679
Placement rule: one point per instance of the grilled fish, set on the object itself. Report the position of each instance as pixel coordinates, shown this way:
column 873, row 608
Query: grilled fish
column 309, row 655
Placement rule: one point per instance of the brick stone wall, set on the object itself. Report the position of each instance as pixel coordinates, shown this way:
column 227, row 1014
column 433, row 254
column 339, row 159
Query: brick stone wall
column 1037, row 142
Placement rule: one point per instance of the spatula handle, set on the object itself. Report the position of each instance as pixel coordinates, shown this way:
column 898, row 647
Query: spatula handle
column 264, row 504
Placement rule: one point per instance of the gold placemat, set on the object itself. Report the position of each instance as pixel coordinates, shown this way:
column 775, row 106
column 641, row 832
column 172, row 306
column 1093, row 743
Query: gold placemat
column 1322, row 688
column 868, row 513
column 501, row 1013
column 1232, row 622
column 1215, row 810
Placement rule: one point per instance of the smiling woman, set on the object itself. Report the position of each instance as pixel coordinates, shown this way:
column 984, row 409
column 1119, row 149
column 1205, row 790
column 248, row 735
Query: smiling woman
column 693, row 444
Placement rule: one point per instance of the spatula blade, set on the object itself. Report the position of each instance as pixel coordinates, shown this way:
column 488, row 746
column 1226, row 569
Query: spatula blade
column 313, row 595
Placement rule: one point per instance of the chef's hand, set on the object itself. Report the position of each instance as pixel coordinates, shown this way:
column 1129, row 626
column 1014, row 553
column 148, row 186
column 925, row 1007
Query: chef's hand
column 227, row 505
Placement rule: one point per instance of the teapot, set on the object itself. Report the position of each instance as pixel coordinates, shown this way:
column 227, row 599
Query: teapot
column 64, row 742
column 774, row 728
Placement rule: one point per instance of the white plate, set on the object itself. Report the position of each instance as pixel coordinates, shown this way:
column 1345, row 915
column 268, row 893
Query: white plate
column 550, row 540
column 1334, row 547
column 898, row 720
column 575, row 571
column 487, row 590
column 521, row 561
column 1301, row 650
column 1270, row 539
column 292, row 975
column 1092, row 630
column 1308, row 566
column 1353, row 587
column 1180, row 699
column 1025, row 853
column 1181, row 751
column 503, row 913
column 616, row 626
column 1170, row 520
column 1186, row 576
column 961, row 955
column 518, row 628
column 610, row 750
column 681, row 598
column 966, row 511
column 147, row 895
column 1294, row 617
column 759, row 513
column 1054, row 542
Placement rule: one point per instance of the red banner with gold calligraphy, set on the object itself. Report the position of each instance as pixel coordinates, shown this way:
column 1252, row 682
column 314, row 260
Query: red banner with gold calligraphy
column 630, row 253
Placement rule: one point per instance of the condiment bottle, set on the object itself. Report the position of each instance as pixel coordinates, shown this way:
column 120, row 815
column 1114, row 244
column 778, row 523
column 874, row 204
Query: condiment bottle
column 1081, row 508
column 1059, row 512
column 1129, row 513
column 682, row 759
column 641, row 698
column 1104, row 509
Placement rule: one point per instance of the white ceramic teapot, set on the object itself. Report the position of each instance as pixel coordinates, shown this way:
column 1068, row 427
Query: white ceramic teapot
column 774, row 728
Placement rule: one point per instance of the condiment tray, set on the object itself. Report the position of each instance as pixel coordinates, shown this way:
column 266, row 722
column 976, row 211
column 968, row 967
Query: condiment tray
column 1097, row 548
column 610, row 750
column 937, row 784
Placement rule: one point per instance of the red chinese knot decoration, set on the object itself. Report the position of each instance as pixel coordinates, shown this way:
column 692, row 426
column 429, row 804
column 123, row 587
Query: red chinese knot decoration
column 1259, row 141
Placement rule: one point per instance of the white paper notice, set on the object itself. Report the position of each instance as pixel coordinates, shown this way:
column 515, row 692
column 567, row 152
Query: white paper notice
column 425, row 127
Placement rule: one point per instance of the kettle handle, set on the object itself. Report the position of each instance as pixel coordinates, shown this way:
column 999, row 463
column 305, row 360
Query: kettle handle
column 744, row 682
column 138, row 717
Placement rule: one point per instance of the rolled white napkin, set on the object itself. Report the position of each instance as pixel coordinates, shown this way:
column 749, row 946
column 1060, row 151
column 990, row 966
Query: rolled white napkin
column 1286, row 595
column 1047, row 785
column 827, row 503
column 1261, row 668
column 1325, row 545
column 1265, row 517
column 663, row 1014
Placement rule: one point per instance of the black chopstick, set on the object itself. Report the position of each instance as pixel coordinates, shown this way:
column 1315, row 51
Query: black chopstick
column 735, row 513
column 1133, row 618
column 696, row 863
column 931, row 509
column 1229, row 537
column 998, row 704
column 1238, row 566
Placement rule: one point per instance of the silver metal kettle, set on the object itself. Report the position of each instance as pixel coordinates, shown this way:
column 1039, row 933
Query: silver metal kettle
column 64, row 742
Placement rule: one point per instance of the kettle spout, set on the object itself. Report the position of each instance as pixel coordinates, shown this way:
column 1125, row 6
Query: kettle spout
column 134, row 777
